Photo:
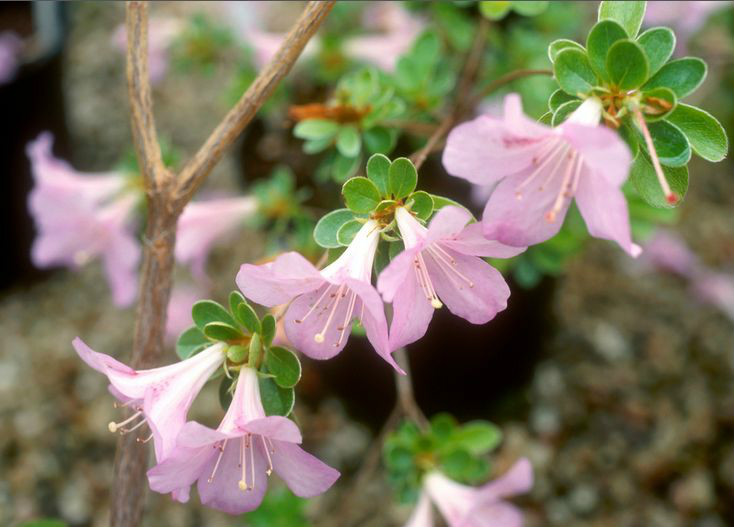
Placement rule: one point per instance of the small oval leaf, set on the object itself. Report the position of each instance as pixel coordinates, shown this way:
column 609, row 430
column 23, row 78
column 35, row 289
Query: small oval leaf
column 348, row 141
column 421, row 203
column 705, row 134
column 316, row 129
column 205, row 311
column 559, row 97
column 555, row 47
column 628, row 14
column 268, row 329
column 671, row 145
column 682, row 76
column 284, row 365
column 191, row 342
column 378, row 167
column 646, row 182
column 573, row 72
column 564, row 111
column 222, row 331
column 276, row 400
column 658, row 44
column 348, row 231
column 600, row 39
column 360, row 195
column 627, row 65
column 658, row 103
column 326, row 229
column 247, row 316
column 402, row 178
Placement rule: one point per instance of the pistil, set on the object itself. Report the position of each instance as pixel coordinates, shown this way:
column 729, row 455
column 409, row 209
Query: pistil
column 670, row 196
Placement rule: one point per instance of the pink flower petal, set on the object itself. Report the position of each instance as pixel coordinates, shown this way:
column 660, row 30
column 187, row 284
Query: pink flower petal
column 471, row 241
column 422, row 515
column 275, row 428
column 304, row 474
column 277, row 282
column 602, row 150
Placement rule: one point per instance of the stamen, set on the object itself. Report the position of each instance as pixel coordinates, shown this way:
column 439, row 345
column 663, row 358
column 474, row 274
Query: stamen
column 670, row 196
column 252, row 463
column 347, row 319
column 219, row 459
column 425, row 281
column 267, row 453
column 113, row 427
column 313, row 307
column 144, row 440
column 319, row 337
column 448, row 268
column 550, row 216
column 559, row 147
column 243, row 482
column 124, row 431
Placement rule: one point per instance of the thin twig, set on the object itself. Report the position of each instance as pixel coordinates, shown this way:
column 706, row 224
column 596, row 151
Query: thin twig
column 404, row 385
column 197, row 169
column 506, row 79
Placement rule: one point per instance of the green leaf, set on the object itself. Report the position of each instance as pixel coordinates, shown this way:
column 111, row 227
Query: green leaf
column 205, row 311
column 443, row 426
column 328, row 226
column 646, row 182
column 269, row 329
column 555, row 47
column 276, row 400
column 495, row 10
column 529, row 7
column 316, row 129
column 361, row 195
column 671, row 145
column 221, row 331
column 627, row 64
column 705, row 134
column 379, row 139
column 546, row 118
column 348, row 141
column 559, row 97
column 456, row 464
column 440, row 202
column 348, row 231
column 573, row 72
column 190, row 342
column 478, row 437
column 378, row 167
column 314, row 146
column 628, row 14
column 235, row 299
column 564, row 111
column 658, row 44
column 422, row 204
column 600, row 39
column 402, row 178
column 247, row 316
column 284, row 365
column 682, row 76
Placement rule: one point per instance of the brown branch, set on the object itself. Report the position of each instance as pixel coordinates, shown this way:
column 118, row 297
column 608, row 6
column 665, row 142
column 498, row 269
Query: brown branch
column 166, row 197
column 196, row 170
column 405, row 398
column 139, row 94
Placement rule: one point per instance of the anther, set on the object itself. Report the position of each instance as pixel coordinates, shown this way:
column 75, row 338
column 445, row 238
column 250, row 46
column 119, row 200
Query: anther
column 114, row 427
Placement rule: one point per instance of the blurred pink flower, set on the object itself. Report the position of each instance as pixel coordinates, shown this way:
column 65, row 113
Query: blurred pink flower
column 464, row 506
column 161, row 397
column 204, row 223
column 161, row 34
column 10, row 48
column 324, row 303
column 83, row 216
column 538, row 170
column 233, row 462
column 179, row 309
column 395, row 30
column 668, row 251
column 684, row 17
column 442, row 264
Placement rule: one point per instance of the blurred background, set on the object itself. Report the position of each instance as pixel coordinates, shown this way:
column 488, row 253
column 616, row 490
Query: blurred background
column 613, row 376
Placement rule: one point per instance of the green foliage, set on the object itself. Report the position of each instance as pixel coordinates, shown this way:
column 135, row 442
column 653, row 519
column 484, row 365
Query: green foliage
column 221, row 331
column 284, row 366
column 378, row 167
column 682, row 76
column 456, row 450
column 497, row 10
column 206, row 311
column 328, row 227
column 421, row 203
column 645, row 181
column 190, row 342
column 671, row 145
column 573, row 72
column 658, row 43
column 600, row 39
column 705, row 134
column 628, row 14
column 361, row 195
column 627, row 65
column 276, row 399
column 555, row 47
column 279, row 508
column 402, row 178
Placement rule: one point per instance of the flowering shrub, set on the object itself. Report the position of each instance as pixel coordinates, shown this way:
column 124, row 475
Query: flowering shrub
column 614, row 145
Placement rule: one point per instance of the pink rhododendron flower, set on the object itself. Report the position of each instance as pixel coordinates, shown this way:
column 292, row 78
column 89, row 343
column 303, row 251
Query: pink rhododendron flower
column 440, row 265
column 231, row 463
column 161, row 34
column 464, row 506
column 161, row 397
column 10, row 47
column 83, row 216
column 204, row 223
column 538, row 170
column 324, row 303
column 395, row 28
